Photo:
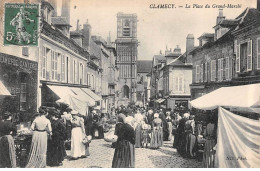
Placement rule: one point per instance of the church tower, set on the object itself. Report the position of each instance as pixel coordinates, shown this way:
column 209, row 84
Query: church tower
column 126, row 46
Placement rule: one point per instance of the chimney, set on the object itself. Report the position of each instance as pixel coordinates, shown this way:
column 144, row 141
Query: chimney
column 65, row 10
column 177, row 49
column 189, row 42
column 258, row 5
column 220, row 16
column 54, row 5
column 87, row 35
column 160, row 52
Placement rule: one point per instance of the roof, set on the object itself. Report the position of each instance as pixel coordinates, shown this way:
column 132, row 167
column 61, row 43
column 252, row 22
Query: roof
column 76, row 33
column 228, row 23
column 55, row 34
column 94, row 49
column 143, row 66
column 173, row 54
column 206, row 35
column 158, row 59
column 60, row 21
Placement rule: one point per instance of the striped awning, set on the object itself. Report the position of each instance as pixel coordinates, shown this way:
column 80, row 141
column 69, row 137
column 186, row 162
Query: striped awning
column 3, row 90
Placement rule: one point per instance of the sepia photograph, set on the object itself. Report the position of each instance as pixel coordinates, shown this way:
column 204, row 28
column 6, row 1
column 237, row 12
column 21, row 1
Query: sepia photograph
column 129, row 84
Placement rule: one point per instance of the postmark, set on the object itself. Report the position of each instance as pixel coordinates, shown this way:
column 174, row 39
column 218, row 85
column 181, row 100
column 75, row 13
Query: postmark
column 21, row 24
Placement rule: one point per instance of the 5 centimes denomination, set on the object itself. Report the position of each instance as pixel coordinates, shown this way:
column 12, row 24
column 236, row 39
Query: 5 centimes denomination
column 21, row 24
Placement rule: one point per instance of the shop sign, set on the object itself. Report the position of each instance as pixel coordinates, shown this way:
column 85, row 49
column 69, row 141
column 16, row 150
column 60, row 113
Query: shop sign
column 21, row 24
column 18, row 62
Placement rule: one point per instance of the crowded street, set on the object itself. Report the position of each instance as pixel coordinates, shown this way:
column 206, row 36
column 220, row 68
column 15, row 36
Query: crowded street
column 129, row 84
column 101, row 155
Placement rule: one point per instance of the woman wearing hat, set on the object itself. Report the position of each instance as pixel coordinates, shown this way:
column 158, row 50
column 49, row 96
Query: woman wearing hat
column 41, row 127
column 77, row 136
column 7, row 149
column 190, row 137
column 157, row 132
column 124, row 156
column 56, row 148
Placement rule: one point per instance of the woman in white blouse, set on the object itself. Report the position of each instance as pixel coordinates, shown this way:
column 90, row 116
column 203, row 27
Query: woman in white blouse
column 41, row 127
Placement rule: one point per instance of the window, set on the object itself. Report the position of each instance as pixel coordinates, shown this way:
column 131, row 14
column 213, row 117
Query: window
column 81, row 73
column 179, row 83
column 258, row 53
column 220, row 69
column 197, row 73
column 44, row 62
column 244, row 56
column 213, row 70
column 23, row 98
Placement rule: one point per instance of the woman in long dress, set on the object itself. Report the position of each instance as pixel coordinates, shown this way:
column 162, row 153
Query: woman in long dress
column 77, row 136
column 138, row 130
column 56, row 146
column 208, row 155
column 124, row 156
column 7, row 149
column 169, row 123
column 41, row 127
column 119, row 124
column 190, row 137
column 157, row 132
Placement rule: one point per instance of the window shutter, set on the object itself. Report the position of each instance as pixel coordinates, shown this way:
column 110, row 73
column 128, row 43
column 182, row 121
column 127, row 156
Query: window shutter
column 227, row 68
column 238, row 58
column 249, row 55
column 201, row 73
column 258, row 53
column 206, row 72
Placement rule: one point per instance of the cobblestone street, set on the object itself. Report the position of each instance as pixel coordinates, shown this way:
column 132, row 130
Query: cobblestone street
column 102, row 156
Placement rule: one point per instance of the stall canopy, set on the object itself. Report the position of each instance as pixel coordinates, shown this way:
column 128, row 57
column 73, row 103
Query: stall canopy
column 238, row 141
column 92, row 94
column 246, row 96
column 3, row 90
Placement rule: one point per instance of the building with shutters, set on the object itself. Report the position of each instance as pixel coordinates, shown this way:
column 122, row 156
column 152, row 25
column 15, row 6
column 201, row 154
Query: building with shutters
column 228, row 57
column 126, row 47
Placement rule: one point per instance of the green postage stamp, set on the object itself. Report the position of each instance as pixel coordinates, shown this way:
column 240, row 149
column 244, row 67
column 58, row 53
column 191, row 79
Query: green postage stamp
column 21, row 24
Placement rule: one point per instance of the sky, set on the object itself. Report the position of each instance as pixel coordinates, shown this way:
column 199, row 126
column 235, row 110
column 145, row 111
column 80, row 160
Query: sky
column 156, row 28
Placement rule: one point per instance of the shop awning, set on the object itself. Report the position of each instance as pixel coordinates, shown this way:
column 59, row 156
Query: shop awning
column 3, row 90
column 160, row 100
column 64, row 91
column 92, row 94
column 246, row 96
column 60, row 91
column 84, row 96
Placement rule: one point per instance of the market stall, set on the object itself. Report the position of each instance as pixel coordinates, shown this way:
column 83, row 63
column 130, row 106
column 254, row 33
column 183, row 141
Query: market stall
column 238, row 128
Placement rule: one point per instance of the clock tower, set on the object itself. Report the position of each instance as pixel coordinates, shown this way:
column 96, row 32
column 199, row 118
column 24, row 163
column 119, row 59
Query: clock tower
column 126, row 46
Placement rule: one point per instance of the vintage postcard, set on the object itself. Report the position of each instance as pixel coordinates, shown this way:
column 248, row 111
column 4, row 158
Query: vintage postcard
column 129, row 84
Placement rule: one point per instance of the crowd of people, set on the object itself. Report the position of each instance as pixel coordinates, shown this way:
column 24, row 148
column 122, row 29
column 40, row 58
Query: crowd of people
column 150, row 128
column 135, row 127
